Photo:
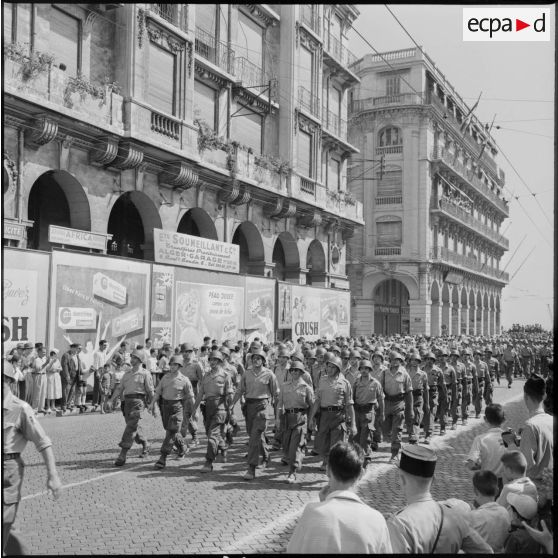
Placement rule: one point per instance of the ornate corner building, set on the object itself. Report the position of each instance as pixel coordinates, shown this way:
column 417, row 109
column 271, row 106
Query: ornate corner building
column 223, row 121
column 428, row 258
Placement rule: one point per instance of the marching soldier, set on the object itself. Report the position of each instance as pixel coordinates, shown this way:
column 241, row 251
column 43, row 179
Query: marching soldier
column 295, row 400
column 259, row 386
column 281, row 371
column 368, row 403
column 419, row 384
column 526, row 358
column 378, row 368
column 484, row 389
column 299, row 357
column 216, row 390
column 451, row 389
column 459, row 374
column 493, row 366
column 334, row 401
column 510, row 357
column 194, row 372
column 352, row 371
column 436, row 392
column 469, row 384
column 176, row 392
column 319, row 367
column 136, row 387
column 398, row 393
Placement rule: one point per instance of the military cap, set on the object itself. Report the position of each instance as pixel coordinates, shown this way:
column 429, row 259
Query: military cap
column 378, row 353
column 283, row 352
column 335, row 348
column 224, row 351
column 415, row 355
column 396, row 355
column 186, row 347
column 297, row 356
column 365, row 364
column 345, row 353
column 20, row 346
column 467, row 352
column 255, row 346
column 430, row 355
column 139, row 355
column 297, row 365
column 320, row 351
column 488, row 350
column 260, row 353
column 336, row 361
column 418, row 460
column 443, row 352
column 311, row 353
column 454, row 352
column 216, row 354
column 364, row 354
column 177, row 359
column 39, row 345
column 354, row 353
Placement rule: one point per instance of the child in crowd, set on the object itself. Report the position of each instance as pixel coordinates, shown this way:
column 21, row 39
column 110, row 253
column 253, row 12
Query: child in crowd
column 489, row 519
column 488, row 448
column 105, row 386
column 514, row 468
column 520, row 541
column 119, row 369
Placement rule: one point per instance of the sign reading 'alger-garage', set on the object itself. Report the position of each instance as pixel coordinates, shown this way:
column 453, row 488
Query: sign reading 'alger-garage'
column 187, row 250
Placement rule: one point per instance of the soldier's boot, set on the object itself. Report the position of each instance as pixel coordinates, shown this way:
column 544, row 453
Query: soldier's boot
column 207, row 468
column 121, row 459
column 162, row 461
column 394, row 460
column 250, row 473
column 145, row 448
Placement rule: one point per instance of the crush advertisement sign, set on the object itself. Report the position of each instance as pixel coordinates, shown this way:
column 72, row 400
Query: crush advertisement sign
column 94, row 298
column 24, row 297
column 259, row 309
column 162, row 285
column 305, row 312
column 334, row 313
column 204, row 310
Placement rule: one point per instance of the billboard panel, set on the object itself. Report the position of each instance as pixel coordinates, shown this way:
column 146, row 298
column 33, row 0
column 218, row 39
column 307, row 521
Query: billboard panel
column 259, row 308
column 306, row 312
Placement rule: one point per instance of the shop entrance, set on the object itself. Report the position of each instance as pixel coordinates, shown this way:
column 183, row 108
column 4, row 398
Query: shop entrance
column 391, row 308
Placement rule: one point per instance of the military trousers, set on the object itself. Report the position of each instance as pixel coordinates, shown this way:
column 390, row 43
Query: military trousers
column 433, row 408
column 172, row 415
column 365, row 417
column 332, row 429
column 256, row 423
column 133, row 407
column 294, row 438
column 215, row 427
column 393, row 423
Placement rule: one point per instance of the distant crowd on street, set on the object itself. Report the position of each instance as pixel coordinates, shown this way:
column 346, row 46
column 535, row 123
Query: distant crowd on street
column 336, row 400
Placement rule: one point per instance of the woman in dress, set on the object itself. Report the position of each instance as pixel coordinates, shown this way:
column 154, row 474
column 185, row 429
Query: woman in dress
column 54, row 383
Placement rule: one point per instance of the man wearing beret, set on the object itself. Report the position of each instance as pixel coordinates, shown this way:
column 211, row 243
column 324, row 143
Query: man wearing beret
column 425, row 526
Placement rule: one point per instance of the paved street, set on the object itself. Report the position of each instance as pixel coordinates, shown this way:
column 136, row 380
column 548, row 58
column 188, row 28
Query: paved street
column 138, row 510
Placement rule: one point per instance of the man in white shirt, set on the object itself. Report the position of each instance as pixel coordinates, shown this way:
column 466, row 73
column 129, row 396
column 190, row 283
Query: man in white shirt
column 100, row 357
column 342, row 523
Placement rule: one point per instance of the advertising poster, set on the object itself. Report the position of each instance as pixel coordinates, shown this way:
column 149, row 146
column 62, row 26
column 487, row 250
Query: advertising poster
column 24, row 297
column 284, row 305
column 162, row 287
column 259, row 309
column 306, row 305
column 96, row 297
column 203, row 310
column 192, row 251
column 334, row 313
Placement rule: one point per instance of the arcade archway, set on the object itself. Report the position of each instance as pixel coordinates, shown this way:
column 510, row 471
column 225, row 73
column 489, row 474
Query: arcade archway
column 249, row 240
column 315, row 263
column 197, row 222
column 285, row 257
column 391, row 308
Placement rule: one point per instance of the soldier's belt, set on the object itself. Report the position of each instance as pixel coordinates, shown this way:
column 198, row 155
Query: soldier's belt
column 332, row 409
column 395, row 398
column 292, row 411
column 256, row 400
column 417, row 392
column 172, row 401
column 8, row 456
column 135, row 396
column 365, row 408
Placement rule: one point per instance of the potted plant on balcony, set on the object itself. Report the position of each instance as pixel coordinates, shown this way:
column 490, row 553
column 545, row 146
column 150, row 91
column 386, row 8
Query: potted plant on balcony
column 32, row 64
column 349, row 198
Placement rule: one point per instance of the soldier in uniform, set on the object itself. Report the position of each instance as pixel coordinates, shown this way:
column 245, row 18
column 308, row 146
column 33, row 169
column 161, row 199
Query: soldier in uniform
column 334, row 401
column 484, row 385
column 136, row 387
column 510, row 357
column 398, row 393
column 493, row 369
column 425, row 526
column 176, row 392
column 451, row 388
column 19, row 427
column 526, row 358
column 419, row 384
column 368, row 402
column 459, row 373
column 194, row 372
column 295, row 400
column 469, row 384
column 259, row 386
column 216, row 389
column 377, row 372
column 319, row 367
column 436, row 392
column 352, row 371
column 281, row 371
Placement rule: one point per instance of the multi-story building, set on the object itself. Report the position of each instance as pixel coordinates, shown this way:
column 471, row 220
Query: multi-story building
column 428, row 259
column 223, row 121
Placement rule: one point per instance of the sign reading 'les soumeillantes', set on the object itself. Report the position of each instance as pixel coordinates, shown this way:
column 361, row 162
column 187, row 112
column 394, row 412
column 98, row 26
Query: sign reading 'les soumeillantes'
column 184, row 249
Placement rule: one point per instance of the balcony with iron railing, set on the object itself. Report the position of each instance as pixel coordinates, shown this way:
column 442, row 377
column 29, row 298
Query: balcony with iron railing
column 469, row 176
column 333, row 123
column 217, row 52
column 465, row 218
column 249, row 73
column 387, row 251
column 468, row 263
column 370, row 103
column 309, row 16
column 308, row 101
column 336, row 51
column 389, row 200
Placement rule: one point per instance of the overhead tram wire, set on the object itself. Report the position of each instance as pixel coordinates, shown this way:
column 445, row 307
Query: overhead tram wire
column 501, row 151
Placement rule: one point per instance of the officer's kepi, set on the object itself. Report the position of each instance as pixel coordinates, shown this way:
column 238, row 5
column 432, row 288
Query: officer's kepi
column 418, row 460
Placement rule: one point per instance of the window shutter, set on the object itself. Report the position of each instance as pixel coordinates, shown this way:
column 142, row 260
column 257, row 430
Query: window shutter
column 305, row 59
column 63, row 40
column 333, row 175
column 205, row 17
column 250, row 40
column 204, row 103
column 304, row 154
column 389, row 233
column 391, row 184
column 247, row 129
column 160, row 92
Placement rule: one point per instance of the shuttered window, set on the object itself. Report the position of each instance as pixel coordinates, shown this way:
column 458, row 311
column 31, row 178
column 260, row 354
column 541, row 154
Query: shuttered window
column 305, row 70
column 205, row 103
column 393, row 85
column 64, row 40
column 161, row 76
column 390, row 184
column 247, row 129
column 305, row 154
column 333, row 175
column 250, row 40
column 389, row 233
column 390, row 136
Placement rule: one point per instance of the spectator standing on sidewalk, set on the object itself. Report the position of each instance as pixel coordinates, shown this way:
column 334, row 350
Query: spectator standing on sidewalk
column 54, row 383
column 19, row 427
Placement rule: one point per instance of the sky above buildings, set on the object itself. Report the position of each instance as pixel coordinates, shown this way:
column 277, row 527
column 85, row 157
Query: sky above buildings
column 517, row 84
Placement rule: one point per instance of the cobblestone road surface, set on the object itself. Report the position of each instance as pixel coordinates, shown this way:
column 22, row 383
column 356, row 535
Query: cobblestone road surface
column 138, row 510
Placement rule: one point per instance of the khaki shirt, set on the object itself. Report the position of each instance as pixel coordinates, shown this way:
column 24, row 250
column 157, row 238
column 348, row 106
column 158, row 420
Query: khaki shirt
column 193, row 371
column 434, row 376
column 174, row 387
column 419, row 379
column 296, row 395
column 20, row 426
column 334, row 392
column 259, row 386
column 367, row 390
column 396, row 382
column 136, row 382
column 215, row 384
column 450, row 376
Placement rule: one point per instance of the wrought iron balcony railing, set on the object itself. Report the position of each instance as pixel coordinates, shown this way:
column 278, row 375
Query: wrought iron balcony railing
column 215, row 51
column 308, row 101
